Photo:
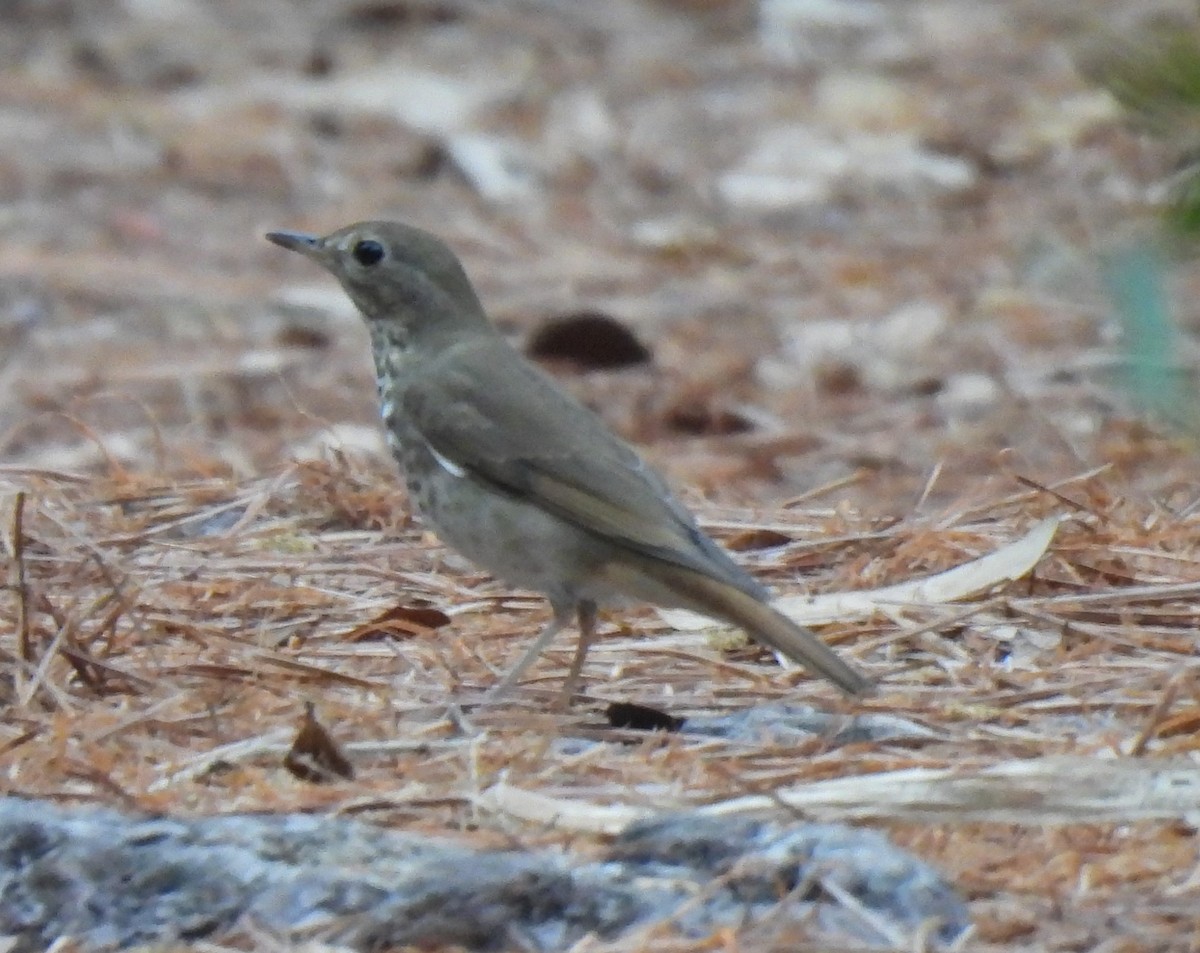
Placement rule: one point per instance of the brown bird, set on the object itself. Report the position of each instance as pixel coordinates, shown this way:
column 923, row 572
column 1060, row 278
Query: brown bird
column 516, row 474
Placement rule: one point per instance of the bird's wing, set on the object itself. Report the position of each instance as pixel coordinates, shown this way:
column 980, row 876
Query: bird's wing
column 485, row 410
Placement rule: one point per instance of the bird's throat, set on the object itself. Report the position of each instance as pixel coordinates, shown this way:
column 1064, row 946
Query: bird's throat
column 392, row 353
column 391, row 349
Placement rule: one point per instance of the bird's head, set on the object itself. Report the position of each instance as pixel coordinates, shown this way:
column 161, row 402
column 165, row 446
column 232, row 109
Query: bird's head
column 397, row 276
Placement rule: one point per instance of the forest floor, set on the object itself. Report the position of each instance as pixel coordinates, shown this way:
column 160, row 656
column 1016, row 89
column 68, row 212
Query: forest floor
column 863, row 247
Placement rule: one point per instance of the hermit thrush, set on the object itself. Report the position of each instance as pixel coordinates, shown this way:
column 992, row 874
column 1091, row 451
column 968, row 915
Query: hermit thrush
column 517, row 475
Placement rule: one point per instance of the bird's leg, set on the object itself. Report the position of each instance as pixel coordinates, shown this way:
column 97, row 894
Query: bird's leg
column 586, row 614
column 562, row 618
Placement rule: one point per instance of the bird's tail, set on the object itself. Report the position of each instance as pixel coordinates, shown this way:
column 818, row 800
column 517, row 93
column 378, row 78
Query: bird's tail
column 721, row 600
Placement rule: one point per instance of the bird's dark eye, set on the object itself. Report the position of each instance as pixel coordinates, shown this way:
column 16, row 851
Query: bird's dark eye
column 367, row 252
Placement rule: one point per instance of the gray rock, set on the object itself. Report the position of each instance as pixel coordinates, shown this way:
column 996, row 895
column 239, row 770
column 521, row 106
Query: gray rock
column 107, row 880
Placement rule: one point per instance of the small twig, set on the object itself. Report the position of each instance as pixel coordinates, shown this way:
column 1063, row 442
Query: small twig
column 96, row 554
column 38, row 677
column 769, row 791
column 62, row 476
column 927, row 490
column 1013, row 499
column 276, row 741
column 885, row 928
column 824, row 489
column 18, row 583
column 1142, row 741
column 1061, row 497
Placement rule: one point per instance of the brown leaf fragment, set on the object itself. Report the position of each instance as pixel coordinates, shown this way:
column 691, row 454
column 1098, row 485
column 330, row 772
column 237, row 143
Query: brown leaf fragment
column 1186, row 722
column 641, row 718
column 99, row 676
column 590, row 340
column 314, row 755
column 394, row 14
column 751, row 539
column 399, row 621
column 303, row 336
column 699, row 419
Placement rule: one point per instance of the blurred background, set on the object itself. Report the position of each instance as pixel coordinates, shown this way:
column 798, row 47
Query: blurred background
column 785, row 245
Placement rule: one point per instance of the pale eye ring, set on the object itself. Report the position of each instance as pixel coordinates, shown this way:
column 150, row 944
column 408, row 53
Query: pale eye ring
column 367, row 252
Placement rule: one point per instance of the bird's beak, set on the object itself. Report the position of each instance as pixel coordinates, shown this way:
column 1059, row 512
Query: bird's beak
column 310, row 246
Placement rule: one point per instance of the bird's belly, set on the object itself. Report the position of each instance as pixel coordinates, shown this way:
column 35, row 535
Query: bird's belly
column 513, row 540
